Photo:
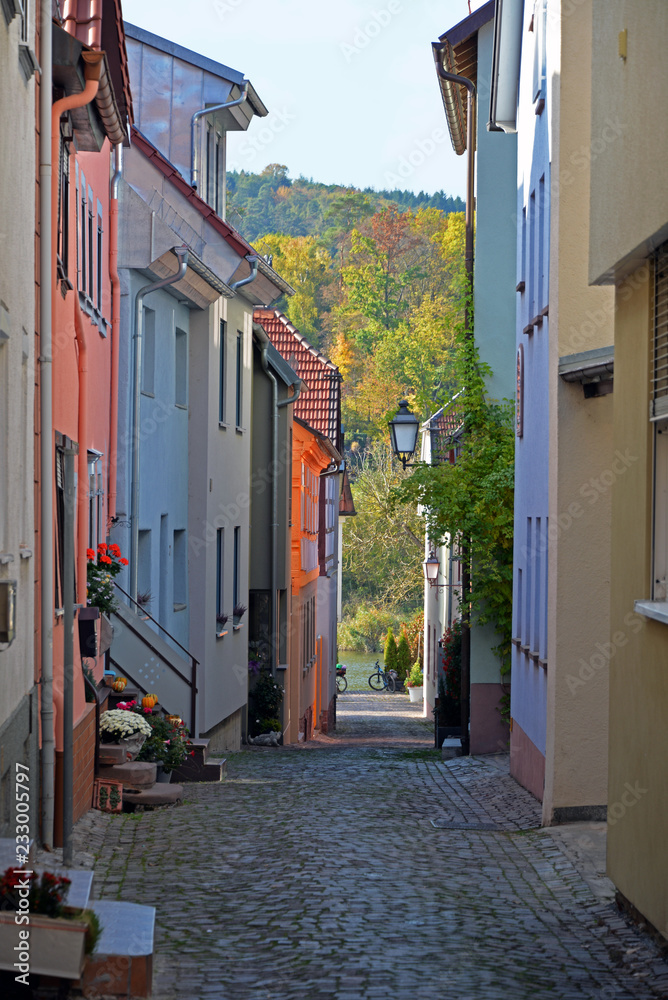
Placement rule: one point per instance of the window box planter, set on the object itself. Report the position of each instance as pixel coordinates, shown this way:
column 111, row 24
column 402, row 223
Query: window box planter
column 88, row 619
column 55, row 947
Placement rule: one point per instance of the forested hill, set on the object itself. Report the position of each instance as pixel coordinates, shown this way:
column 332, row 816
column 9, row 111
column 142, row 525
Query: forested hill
column 271, row 202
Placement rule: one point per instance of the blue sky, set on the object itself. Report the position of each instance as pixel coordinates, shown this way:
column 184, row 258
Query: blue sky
column 350, row 86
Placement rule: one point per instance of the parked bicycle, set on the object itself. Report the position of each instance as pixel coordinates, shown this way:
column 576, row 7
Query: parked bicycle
column 382, row 680
column 341, row 679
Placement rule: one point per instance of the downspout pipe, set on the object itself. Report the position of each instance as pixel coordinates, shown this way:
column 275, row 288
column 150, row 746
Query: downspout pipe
column 253, row 261
column 115, row 328
column 182, row 254
column 48, row 773
column 194, row 165
column 49, row 120
column 468, row 333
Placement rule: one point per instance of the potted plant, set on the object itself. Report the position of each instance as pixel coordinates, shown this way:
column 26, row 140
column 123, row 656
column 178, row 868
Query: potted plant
column 221, row 621
column 126, row 728
column 415, row 683
column 167, row 746
column 238, row 611
column 39, row 934
column 265, row 696
column 103, row 566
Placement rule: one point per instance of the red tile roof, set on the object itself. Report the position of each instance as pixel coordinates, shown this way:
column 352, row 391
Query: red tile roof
column 445, row 428
column 319, row 405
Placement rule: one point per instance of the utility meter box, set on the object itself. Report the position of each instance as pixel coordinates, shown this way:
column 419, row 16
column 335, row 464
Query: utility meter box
column 7, row 610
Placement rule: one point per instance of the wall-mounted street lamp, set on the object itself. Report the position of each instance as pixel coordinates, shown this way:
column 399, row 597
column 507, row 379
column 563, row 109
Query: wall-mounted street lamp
column 431, row 567
column 404, row 429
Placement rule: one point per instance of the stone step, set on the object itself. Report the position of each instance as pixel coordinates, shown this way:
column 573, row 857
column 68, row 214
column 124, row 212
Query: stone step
column 122, row 963
column 195, row 769
column 160, row 794
column 134, row 774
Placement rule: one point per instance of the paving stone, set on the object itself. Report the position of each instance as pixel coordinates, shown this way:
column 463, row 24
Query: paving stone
column 361, row 865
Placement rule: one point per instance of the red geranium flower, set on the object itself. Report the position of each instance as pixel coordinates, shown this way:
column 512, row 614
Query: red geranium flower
column 115, row 551
column 105, row 559
column 90, row 554
column 102, row 547
column 123, row 562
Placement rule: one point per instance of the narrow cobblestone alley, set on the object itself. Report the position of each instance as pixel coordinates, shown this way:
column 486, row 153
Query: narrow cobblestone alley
column 362, row 866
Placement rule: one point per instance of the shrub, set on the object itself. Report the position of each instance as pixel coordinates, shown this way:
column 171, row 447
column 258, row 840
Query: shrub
column 390, row 651
column 363, row 629
column 416, row 677
column 403, row 656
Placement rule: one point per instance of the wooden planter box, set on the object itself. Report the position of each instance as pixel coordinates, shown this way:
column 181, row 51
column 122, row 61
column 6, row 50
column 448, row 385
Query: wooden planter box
column 53, row 948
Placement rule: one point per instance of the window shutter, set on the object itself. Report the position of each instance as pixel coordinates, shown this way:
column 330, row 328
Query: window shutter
column 659, row 387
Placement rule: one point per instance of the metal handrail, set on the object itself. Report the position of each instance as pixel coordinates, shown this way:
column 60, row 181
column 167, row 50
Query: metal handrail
column 192, row 683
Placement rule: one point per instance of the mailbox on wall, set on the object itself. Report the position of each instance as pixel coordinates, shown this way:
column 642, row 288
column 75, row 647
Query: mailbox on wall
column 7, row 610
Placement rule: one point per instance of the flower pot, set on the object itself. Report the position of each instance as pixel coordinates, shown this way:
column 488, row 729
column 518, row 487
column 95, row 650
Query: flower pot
column 415, row 694
column 132, row 744
column 55, row 947
column 106, row 634
column 162, row 776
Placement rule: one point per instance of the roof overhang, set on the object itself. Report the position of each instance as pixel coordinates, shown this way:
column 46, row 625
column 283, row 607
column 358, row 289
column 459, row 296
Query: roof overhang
column 200, row 286
column 506, row 66
column 457, row 52
column 594, row 370
column 323, row 440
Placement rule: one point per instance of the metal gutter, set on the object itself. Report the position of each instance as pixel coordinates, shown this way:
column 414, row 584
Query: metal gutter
column 193, row 143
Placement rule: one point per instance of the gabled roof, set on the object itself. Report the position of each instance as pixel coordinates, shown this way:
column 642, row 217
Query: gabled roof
column 228, row 232
column 198, row 60
column 346, row 503
column 319, row 405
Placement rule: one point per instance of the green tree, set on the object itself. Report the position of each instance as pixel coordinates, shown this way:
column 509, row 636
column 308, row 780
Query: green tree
column 390, row 651
column 307, row 266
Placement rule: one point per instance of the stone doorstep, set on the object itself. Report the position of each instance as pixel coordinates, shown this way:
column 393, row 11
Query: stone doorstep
column 122, row 964
column 160, row 794
column 133, row 774
column 192, row 770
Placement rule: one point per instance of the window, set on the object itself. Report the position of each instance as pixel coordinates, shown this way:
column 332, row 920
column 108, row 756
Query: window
column 239, row 379
column 308, row 633
column 59, row 553
column 181, row 368
column 81, row 229
column 659, row 417
column 92, row 241
column 96, row 526
column 63, row 210
column 148, row 352
column 100, row 257
column 180, row 571
column 236, row 580
column 144, row 568
column 220, row 571
column 538, row 89
column 222, row 371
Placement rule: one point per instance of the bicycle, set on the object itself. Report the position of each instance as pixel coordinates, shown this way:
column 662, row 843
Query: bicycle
column 341, row 679
column 380, row 680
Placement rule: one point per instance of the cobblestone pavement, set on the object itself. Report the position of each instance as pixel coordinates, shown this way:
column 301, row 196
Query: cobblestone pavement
column 362, row 867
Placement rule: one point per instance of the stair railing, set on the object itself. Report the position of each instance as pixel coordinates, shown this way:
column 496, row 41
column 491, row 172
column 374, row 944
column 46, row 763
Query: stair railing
column 192, row 681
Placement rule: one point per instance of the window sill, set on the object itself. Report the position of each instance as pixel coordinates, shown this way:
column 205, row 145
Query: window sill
column 657, row 610
column 94, row 314
column 180, row 607
column 240, row 430
column 235, row 628
column 145, row 392
column 181, row 406
column 219, row 635
column 223, row 426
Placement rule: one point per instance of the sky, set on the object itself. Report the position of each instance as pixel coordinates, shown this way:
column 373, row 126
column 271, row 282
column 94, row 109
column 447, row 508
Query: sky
column 350, row 86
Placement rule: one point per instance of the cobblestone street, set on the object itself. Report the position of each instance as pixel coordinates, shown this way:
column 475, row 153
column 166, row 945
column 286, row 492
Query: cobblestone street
column 361, row 866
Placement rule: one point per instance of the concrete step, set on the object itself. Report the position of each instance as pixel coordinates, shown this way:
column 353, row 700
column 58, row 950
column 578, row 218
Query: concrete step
column 160, row 794
column 199, row 767
column 134, row 774
column 122, row 963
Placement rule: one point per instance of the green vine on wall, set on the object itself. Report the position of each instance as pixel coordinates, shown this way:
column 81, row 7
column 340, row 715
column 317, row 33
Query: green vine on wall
column 473, row 498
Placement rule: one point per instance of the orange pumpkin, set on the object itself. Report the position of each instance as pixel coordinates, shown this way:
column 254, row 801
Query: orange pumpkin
column 176, row 719
column 154, row 696
column 120, row 684
column 147, row 701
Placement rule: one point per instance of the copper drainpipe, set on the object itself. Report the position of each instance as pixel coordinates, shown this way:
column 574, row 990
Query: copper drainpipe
column 115, row 327
column 92, row 70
